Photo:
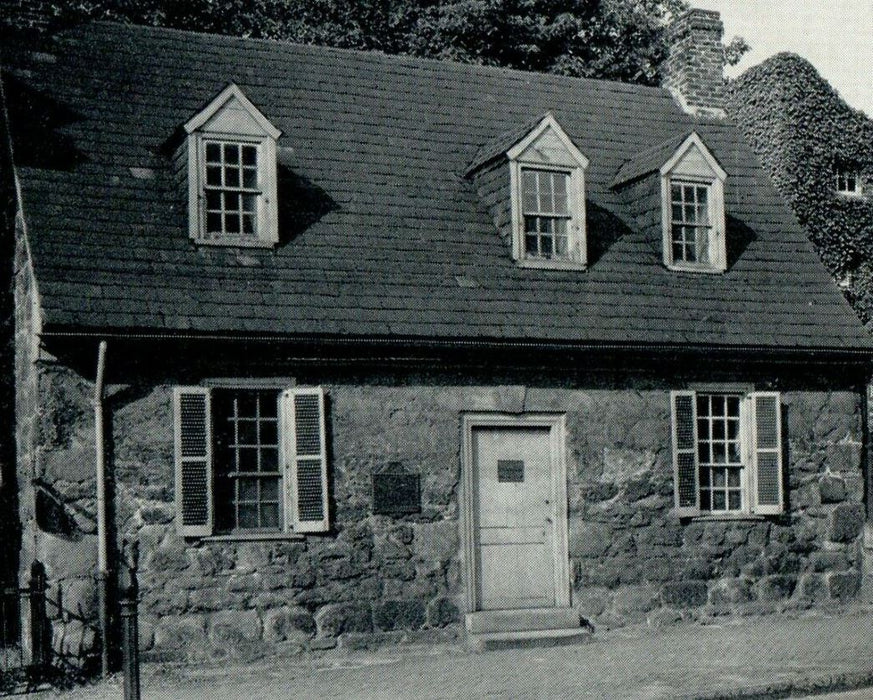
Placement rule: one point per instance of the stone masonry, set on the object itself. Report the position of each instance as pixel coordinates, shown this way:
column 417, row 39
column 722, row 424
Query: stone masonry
column 378, row 578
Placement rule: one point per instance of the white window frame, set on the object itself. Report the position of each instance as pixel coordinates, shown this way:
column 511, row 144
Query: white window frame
column 259, row 133
column 715, row 200
column 750, row 506
column 284, row 525
column 841, row 175
column 263, row 233
column 577, row 257
column 292, row 523
column 746, row 465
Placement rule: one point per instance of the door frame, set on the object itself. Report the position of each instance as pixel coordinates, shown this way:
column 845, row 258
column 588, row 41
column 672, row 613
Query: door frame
column 556, row 423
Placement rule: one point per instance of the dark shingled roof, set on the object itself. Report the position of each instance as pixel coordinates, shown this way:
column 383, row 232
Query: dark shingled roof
column 379, row 222
column 498, row 146
column 649, row 160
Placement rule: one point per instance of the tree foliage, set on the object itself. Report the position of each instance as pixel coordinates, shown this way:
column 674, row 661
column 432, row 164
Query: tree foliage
column 615, row 39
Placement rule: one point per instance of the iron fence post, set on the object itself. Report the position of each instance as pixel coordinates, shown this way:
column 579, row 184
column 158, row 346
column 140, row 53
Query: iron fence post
column 130, row 627
column 38, row 622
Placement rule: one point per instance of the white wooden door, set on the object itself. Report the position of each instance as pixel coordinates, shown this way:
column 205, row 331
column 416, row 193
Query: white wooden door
column 514, row 512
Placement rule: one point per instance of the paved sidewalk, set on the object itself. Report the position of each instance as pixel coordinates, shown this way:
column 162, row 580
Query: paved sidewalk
column 772, row 656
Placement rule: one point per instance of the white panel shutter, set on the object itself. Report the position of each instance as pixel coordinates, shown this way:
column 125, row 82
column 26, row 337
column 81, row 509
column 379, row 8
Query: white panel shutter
column 193, row 445
column 686, row 488
column 766, row 443
column 306, row 458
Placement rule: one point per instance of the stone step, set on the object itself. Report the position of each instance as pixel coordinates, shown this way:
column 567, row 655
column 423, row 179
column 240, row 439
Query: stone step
column 488, row 621
column 491, row 641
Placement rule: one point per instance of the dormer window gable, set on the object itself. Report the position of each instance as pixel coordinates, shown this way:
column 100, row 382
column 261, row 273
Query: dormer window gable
column 231, row 157
column 542, row 220
column 547, row 185
column 692, row 209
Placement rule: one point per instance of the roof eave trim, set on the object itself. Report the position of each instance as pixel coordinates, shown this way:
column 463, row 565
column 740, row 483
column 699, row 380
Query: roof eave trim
column 232, row 91
column 464, row 342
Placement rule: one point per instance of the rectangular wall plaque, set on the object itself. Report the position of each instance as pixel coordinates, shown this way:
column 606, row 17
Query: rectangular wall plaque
column 396, row 494
column 510, row 470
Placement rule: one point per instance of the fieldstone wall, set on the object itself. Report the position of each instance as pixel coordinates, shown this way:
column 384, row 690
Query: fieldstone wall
column 384, row 579
column 633, row 561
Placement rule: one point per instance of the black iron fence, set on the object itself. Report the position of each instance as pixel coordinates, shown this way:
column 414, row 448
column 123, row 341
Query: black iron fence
column 26, row 659
column 25, row 634
column 129, row 624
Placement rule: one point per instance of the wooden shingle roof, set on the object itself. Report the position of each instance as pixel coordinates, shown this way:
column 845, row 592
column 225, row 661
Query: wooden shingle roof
column 378, row 222
column 650, row 160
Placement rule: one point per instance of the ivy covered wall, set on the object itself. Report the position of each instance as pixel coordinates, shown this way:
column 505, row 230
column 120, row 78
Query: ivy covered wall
column 802, row 130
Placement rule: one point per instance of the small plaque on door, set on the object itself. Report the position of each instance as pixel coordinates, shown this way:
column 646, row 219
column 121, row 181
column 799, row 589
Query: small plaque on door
column 510, row 470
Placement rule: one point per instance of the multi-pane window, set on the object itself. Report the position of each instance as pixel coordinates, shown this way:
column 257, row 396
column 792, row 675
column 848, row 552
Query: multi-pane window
column 248, row 480
column 546, row 213
column 250, row 460
column 719, row 452
column 690, row 223
column 727, row 452
column 846, row 181
column 231, row 189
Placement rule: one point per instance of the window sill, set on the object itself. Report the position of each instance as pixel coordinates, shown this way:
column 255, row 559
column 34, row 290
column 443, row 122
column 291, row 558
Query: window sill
column 849, row 195
column 255, row 537
column 695, row 268
column 231, row 242
column 551, row 264
column 726, row 517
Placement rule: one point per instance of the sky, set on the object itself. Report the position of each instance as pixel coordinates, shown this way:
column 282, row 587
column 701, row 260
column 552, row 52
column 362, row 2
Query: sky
column 836, row 36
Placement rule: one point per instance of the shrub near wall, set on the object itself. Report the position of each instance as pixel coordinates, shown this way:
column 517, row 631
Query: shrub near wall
column 802, row 130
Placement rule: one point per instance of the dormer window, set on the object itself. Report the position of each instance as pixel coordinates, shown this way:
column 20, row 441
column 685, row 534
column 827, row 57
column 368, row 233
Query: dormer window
column 847, row 181
column 231, row 149
column 547, row 182
column 547, row 219
column 692, row 198
column 231, row 189
column 691, row 182
column 690, row 222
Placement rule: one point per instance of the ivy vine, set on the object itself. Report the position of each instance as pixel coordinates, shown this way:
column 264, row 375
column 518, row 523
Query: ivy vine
column 802, row 131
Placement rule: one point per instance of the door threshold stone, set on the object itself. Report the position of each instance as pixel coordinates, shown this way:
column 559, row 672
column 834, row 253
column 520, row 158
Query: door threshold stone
column 522, row 620
column 491, row 641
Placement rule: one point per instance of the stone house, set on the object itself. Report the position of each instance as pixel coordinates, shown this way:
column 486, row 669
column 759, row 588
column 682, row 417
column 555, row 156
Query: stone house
column 362, row 348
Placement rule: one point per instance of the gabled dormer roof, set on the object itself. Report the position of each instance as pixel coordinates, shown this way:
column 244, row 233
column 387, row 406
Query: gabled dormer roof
column 515, row 142
column 663, row 157
column 694, row 145
column 548, row 124
column 231, row 112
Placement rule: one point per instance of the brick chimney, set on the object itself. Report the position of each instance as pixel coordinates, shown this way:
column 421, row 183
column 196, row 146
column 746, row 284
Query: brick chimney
column 694, row 69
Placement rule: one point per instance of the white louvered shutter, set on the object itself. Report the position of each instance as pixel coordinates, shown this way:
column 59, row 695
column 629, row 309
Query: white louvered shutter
column 766, row 449
column 686, row 488
column 193, row 445
column 306, row 458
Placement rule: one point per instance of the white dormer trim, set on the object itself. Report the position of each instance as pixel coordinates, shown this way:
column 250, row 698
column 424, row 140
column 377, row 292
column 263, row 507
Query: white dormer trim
column 548, row 122
column 710, row 177
column 231, row 92
column 694, row 140
column 570, row 168
column 232, row 121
